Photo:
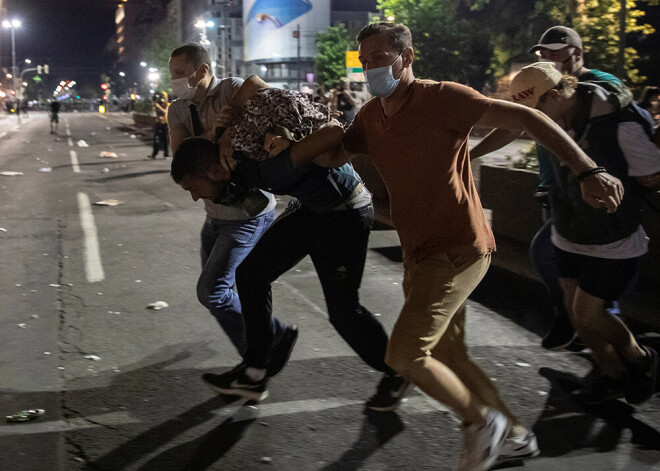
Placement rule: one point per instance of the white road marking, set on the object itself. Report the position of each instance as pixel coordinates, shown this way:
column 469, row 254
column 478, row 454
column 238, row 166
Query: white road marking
column 54, row 426
column 418, row 404
column 70, row 142
column 91, row 252
column 299, row 293
column 74, row 161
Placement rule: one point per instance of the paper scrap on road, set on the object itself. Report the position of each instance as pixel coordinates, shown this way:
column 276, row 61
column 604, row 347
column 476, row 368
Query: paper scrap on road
column 11, row 174
column 46, row 169
column 82, row 143
column 522, row 364
column 109, row 155
column 2, row 229
column 157, row 305
column 92, row 357
column 25, row 415
column 109, row 202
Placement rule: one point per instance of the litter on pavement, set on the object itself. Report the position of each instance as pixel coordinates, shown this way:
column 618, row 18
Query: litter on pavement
column 82, row 143
column 11, row 174
column 25, row 415
column 46, row 169
column 110, row 155
column 109, row 202
column 157, row 305
column 92, row 357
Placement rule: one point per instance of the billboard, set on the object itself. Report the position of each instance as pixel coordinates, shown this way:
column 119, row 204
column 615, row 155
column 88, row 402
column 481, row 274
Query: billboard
column 270, row 27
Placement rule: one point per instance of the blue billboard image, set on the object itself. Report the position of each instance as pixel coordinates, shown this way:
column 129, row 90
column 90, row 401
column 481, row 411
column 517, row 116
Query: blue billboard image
column 278, row 12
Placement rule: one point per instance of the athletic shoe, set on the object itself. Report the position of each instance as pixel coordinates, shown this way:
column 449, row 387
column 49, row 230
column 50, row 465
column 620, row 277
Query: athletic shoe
column 519, row 448
column 237, row 383
column 642, row 377
column 561, row 334
column 281, row 352
column 600, row 389
column 389, row 393
column 482, row 444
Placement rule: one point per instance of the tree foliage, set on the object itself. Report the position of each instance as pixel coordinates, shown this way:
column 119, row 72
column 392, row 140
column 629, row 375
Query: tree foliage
column 444, row 41
column 157, row 51
column 597, row 22
column 330, row 58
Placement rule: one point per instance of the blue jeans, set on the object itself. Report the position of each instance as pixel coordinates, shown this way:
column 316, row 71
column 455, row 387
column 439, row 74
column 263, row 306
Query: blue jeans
column 546, row 262
column 224, row 246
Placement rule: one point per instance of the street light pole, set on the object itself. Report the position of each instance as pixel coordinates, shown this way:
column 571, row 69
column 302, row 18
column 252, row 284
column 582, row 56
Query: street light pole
column 12, row 25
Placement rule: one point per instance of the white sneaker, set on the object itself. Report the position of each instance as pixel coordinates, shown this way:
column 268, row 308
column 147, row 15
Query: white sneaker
column 519, row 448
column 482, row 445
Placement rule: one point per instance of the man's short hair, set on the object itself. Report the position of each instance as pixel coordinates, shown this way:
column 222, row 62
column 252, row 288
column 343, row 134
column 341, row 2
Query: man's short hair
column 194, row 52
column 398, row 35
column 193, row 157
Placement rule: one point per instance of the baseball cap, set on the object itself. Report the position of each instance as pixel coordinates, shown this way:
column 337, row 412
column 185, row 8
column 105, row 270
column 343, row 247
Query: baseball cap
column 532, row 82
column 558, row 37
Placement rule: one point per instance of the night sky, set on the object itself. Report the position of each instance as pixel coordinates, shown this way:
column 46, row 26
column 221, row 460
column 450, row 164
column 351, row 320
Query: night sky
column 70, row 35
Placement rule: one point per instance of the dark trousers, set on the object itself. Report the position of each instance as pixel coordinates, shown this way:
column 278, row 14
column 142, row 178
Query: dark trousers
column 337, row 244
column 161, row 140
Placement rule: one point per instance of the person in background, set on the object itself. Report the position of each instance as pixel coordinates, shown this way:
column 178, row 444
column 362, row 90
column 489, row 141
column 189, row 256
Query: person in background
column 54, row 116
column 561, row 46
column 161, row 137
column 598, row 252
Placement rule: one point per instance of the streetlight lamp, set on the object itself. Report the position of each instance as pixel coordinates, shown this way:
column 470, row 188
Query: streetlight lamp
column 13, row 25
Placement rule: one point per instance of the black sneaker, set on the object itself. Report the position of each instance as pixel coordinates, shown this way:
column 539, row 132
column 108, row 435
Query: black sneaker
column 281, row 352
column 236, row 383
column 600, row 389
column 642, row 377
column 561, row 334
column 389, row 393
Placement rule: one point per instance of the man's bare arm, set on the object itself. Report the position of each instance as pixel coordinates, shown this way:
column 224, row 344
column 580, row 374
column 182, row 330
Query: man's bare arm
column 598, row 189
column 323, row 145
column 496, row 139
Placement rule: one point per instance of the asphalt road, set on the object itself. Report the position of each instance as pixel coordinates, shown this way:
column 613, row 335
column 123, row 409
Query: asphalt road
column 121, row 383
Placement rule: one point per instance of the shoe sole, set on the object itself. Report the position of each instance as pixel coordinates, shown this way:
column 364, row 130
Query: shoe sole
column 288, row 357
column 511, row 458
column 252, row 395
column 396, row 405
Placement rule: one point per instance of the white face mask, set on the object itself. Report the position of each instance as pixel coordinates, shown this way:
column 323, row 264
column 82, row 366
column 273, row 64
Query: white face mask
column 181, row 89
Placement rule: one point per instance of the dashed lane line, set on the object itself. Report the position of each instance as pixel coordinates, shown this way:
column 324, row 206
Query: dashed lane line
column 74, row 161
column 91, row 252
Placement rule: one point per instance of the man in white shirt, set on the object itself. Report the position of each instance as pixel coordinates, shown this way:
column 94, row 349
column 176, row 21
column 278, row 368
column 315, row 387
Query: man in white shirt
column 228, row 233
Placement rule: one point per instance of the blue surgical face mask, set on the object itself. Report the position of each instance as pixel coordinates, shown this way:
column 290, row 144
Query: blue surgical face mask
column 380, row 81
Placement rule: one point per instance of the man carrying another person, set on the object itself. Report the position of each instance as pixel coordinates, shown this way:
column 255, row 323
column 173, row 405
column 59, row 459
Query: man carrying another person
column 228, row 233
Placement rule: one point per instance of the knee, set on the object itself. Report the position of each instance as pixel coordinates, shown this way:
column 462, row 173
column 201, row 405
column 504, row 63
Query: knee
column 400, row 360
column 214, row 296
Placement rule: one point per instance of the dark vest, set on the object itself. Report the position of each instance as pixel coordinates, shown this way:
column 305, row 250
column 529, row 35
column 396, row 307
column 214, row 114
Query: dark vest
column 573, row 218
